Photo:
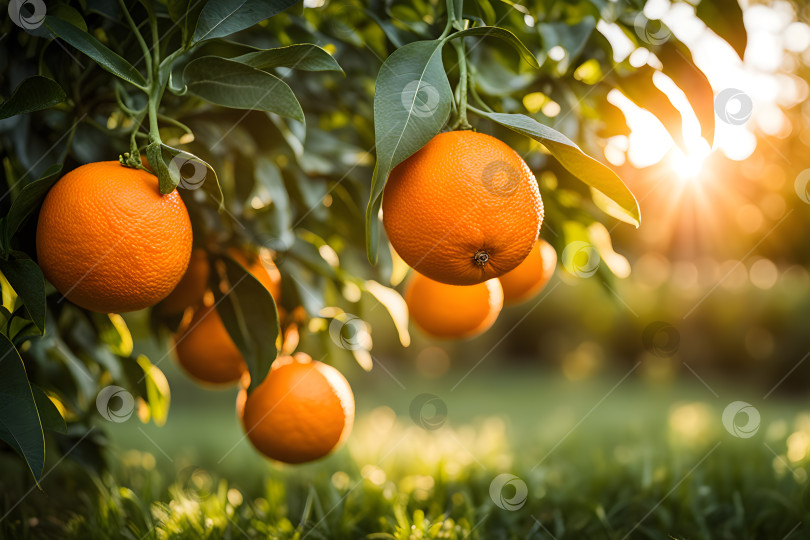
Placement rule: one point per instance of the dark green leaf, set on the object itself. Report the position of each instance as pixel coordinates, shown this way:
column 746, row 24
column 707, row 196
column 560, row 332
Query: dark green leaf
column 235, row 85
column 725, row 18
column 249, row 313
column 504, row 34
column 93, row 48
column 48, row 413
column 304, row 56
column 33, row 94
column 592, row 172
column 412, row 102
column 29, row 200
column 20, row 426
column 189, row 172
column 28, row 282
column 223, row 17
column 678, row 66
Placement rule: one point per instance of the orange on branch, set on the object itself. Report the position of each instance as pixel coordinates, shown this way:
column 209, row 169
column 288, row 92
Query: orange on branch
column 528, row 278
column 302, row 411
column 453, row 311
column 463, row 209
column 109, row 241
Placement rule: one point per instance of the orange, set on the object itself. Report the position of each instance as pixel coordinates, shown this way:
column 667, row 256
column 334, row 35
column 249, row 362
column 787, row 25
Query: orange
column 453, row 311
column 192, row 286
column 207, row 352
column 463, row 209
column 109, row 241
column 528, row 278
column 302, row 411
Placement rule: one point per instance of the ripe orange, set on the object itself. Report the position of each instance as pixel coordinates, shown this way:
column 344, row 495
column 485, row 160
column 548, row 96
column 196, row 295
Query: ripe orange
column 463, row 209
column 528, row 278
column 207, row 352
column 302, row 411
column 453, row 311
column 205, row 349
column 109, row 241
column 189, row 292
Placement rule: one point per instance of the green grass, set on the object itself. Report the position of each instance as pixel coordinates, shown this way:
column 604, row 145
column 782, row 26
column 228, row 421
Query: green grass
column 643, row 461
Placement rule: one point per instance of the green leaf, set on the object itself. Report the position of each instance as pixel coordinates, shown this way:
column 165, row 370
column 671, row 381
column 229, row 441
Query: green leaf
column 93, row 48
column 20, row 426
column 639, row 87
column 592, row 172
column 29, row 200
column 32, row 94
column 725, row 18
column 223, row 17
column 188, row 172
column 48, row 413
column 158, row 394
column 28, row 282
column 412, row 102
column 113, row 332
column 504, row 34
column 249, row 313
column 678, row 66
column 304, row 56
column 235, row 85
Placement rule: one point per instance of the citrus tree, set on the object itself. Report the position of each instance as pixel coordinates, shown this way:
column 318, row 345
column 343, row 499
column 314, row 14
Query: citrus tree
column 277, row 126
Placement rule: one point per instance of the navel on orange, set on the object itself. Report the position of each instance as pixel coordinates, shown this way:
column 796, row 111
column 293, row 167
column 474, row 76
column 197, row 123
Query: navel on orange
column 109, row 241
column 302, row 411
column 453, row 311
column 463, row 209
column 528, row 278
